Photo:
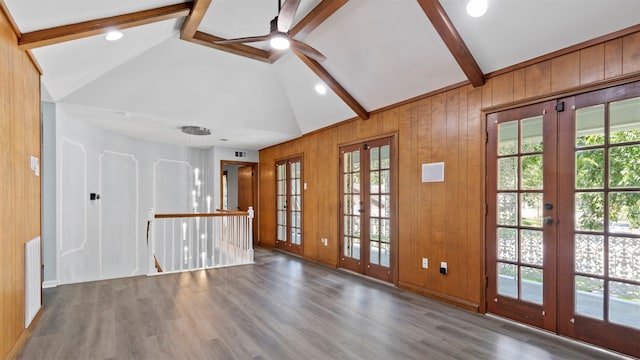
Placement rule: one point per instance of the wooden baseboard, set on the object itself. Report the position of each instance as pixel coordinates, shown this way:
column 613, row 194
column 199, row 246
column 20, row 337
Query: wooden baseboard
column 447, row 299
column 26, row 334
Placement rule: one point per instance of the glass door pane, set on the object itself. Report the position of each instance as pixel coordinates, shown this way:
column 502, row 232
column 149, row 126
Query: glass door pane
column 281, row 201
column 295, row 203
column 379, row 205
column 607, row 208
column 519, row 203
column 352, row 204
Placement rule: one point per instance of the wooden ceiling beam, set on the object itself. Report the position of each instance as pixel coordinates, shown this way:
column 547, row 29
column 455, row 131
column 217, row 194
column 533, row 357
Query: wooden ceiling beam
column 443, row 25
column 324, row 75
column 209, row 40
column 314, row 18
column 191, row 23
column 84, row 29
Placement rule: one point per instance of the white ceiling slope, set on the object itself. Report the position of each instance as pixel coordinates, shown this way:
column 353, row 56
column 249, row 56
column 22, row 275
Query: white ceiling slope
column 150, row 83
column 71, row 65
column 513, row 31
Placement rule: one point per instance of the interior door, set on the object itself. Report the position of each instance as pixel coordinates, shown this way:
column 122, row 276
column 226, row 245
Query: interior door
column 245, row 187
column 521, row 216
column 289, row 205
column 563, row 220
column 366, row 208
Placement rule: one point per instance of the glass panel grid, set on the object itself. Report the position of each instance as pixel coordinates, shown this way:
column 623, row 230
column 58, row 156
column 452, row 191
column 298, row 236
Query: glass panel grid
column 607, row 260
column 379, row 205
column 352, row 204
column 519, row 205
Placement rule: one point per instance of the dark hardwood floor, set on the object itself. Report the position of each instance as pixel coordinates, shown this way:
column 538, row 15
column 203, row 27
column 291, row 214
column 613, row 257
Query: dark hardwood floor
column 280, row 308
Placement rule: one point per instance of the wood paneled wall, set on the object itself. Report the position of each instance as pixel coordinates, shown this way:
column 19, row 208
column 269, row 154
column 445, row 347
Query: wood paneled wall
column 19, row 187
column 440, row 221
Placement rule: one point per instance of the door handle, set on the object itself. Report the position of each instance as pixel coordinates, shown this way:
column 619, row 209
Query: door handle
column 547, row 220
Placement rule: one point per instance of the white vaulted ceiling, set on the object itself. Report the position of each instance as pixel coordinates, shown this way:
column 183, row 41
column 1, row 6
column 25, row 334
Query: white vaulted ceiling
column 381, row 52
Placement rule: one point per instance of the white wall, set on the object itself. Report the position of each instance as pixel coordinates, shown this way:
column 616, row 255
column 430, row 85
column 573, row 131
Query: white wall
column 232, row 185
column 106, row 238
column 48, row 172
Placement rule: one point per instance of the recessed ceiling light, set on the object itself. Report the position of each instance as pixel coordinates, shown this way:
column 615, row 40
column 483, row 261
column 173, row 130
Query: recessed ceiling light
column 113, row 36
column 321, row 89
column 477, row 8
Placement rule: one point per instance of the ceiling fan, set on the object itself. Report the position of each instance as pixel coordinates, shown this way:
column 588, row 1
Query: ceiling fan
column 279, row 34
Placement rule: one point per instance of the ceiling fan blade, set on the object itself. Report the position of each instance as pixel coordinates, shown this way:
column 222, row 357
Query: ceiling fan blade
column 307, row 50
column 287, row 14
column 249, row 39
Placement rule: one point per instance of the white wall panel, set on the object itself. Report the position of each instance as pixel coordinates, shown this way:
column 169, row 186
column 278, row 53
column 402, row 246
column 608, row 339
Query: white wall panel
column 75, row 263
column 172, row 186
column 119, row 220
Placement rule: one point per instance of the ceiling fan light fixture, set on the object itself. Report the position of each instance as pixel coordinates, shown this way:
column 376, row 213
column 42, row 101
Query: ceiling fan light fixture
column 477, row 8
column 279, row 41
column 113, row 36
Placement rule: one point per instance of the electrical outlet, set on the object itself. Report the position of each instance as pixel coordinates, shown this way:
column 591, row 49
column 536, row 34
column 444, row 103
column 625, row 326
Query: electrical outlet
column 443, row 267
column 425, row 263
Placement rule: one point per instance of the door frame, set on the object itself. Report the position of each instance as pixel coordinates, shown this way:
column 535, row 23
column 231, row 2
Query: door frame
column 395, row 177
column 256, row 192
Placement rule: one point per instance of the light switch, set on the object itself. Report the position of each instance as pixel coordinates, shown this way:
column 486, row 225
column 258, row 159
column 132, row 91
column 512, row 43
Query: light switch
column 425, row 263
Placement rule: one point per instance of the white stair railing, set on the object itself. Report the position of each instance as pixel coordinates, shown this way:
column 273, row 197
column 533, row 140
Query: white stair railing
column 183, row 242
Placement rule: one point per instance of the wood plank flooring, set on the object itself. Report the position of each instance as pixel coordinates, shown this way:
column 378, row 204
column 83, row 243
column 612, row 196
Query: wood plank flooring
column 282, row 307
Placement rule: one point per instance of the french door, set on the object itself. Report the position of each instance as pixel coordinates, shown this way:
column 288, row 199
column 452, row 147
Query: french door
column 563, row 221
column 521, row 226
column 366, row 203
column 289, row 205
